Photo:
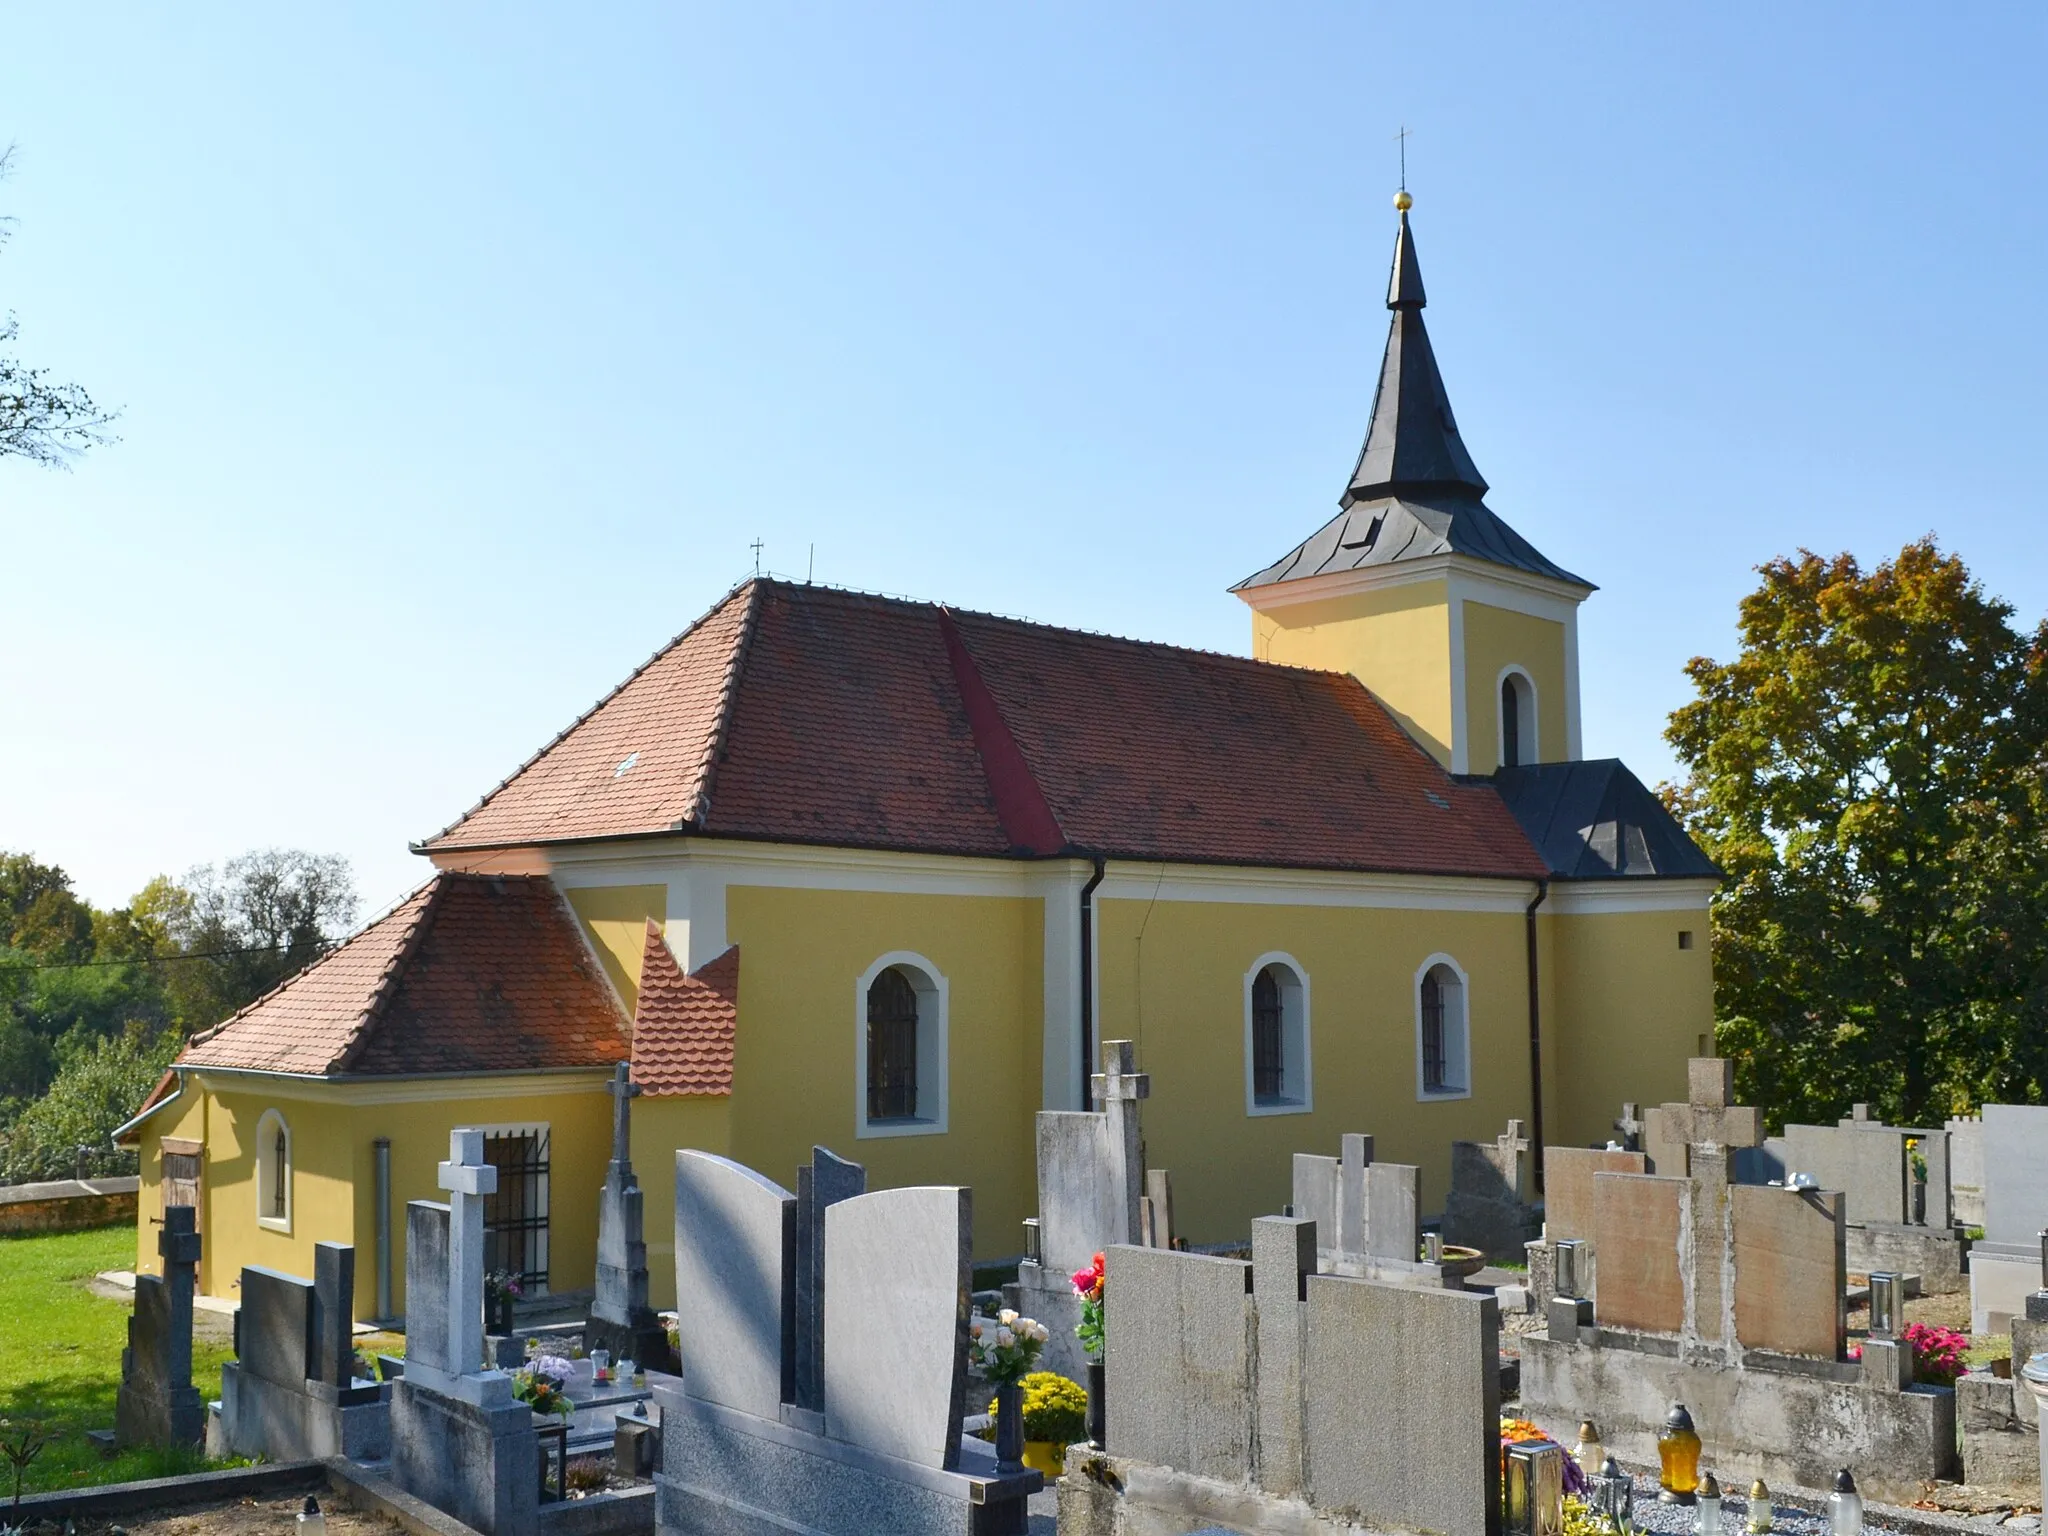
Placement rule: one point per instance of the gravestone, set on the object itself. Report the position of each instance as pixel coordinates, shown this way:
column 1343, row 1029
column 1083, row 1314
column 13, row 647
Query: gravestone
column 898, row 1275
column 1489, row 1207
column 884, row 1454
column 1895, row 1184
column 2005, row 1263
column 1367, row 1214
column 621, row 1322
column 291, row 1393
column 1866, row 1162
column 820, row 1184
column 157, row 1403
column 1269, row 1396
column 1788, row 1252
column 1568, row 1186
column 1637, row 1221
column 1090, row 1190
column 459, row 1439
column 1966, row 1171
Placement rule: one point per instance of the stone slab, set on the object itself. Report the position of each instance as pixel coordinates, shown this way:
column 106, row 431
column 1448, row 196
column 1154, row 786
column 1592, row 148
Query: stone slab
column 1179, row 1389
column 1082, row 1207
column 1315, row 1197
column 334, row 1314
column 1935, row 1254
column 1568, row 1186
column 1283, row 1256
column 735, row 1272
column 1403, row 1405
column 1393, row 1212
column 427, row 1254
column 262, row 1418
column 2015, row 1172
column 1664, row 1142
column 898, row 1281
column 473, row 1462
column 1790, row 1270
column 1966, row 1172
column 1048, row 1295
column 821, row 1183
column 1635, row 1234
column 1999, row 1287
column 1866, row 1162
column 274, row 1327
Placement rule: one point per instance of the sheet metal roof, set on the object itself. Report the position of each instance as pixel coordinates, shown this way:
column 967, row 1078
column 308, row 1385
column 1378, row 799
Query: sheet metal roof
column 1596, row 821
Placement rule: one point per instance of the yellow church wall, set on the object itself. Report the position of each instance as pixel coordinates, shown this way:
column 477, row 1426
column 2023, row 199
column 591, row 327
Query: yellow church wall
column 615, row 921
column 1631, row 1007
column 1181, row 996
column 660, row 1127
column 1496, row 638
column 1397, row 641
column 799, row 1060
column 184, row 1118
column 322, row 1196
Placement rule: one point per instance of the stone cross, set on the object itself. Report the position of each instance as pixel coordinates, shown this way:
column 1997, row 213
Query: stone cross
column 1710, row 1128
column 624, row 1091
column 1119, row 1087
column 467, row 1178
column 1631, row 1127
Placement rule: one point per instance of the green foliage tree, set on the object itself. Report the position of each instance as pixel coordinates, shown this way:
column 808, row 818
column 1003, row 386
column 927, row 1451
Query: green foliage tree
column 93, row 1095
column 1869, row 772
column 43, row 421
column 249, row 925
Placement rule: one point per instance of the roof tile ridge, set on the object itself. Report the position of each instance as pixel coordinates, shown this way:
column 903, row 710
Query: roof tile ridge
column 213, row 1031
column 728, row 696
column 387, row 981
column 556, row 740
column 1022, row 809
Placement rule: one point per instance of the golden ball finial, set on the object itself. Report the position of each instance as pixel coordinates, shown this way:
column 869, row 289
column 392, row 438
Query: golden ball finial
column 1403, row 201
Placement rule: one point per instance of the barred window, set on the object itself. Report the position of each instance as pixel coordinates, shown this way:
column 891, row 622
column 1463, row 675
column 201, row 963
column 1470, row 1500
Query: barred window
column 1276, row 1037
column 1442, row 1030
column 892, row 1047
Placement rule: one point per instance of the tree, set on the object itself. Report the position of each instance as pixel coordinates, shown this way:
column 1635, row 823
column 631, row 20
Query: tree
column 42, row 421
column 1869, row 773
column 255, row 921
column 93, row 1096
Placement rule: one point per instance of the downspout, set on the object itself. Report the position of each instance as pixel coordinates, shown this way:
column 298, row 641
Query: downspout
column 1535, row 1032
column 1088, row 981
column 381, row 1161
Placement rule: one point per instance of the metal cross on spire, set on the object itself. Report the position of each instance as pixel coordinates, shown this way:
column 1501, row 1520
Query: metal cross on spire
column 1401, row 138
column 756, row 547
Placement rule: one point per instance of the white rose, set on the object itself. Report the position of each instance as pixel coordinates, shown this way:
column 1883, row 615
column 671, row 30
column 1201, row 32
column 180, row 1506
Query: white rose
column 1004, row 1338
column 1007, row 1316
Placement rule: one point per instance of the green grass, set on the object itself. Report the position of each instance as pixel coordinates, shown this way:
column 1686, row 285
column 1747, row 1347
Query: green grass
column 60, row 1358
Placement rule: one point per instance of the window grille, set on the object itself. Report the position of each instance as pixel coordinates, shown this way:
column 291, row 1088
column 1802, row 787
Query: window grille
column 892, row 1047
column 1269, row 1069
column 516, row 1216
column 280, row 1172
column 1510, row 723
column 1433, row 1033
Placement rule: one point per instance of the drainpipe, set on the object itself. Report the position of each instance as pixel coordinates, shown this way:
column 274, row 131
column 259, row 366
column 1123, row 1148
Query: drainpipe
column 1088, row 982
column 381, row 1150
column 1535, row 1033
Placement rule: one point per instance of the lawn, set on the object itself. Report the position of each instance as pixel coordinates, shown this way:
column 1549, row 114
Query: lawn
column 60, row 1358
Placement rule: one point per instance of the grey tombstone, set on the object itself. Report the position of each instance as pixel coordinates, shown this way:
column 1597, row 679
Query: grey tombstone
column 1315, row 1198
column 1179, row 1376
column 1354, row 1157
column 898, row 1277
column 1864, row 1160
column 157, row 1403
column 468, row 1178
column 621, row 1321
column 1402, row 1388
column 2015, row 1141
column 735, row 1274
column 334, row 1312
column 426, row 1287
column 274, row 1326
column 1966, row 1171
column 1393, row 1228
column 1283, row 1255
column 820, row 1184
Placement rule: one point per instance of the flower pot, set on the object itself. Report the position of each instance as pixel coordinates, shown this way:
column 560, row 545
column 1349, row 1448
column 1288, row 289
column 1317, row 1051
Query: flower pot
column 1047, row 1456
column 1098, row 1406
column 1010, row 1427
column 498, row 1314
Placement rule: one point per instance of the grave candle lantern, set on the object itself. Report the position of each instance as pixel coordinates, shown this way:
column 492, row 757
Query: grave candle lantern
column 1760, row 1511
column 1535, row 1488
column 1845, row 1506
column 1678, row 1452
column 1614, row 1493
column 311, row 1521
column 1589, row 1453
column 1710, row 1506
column 1884, row 1304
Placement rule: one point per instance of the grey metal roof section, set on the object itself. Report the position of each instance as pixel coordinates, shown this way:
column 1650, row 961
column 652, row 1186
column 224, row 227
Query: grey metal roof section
column 1595, row 821
column 1396, row 528
column 1415, row 490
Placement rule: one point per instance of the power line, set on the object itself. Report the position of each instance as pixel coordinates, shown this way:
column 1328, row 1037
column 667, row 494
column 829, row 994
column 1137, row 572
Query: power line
column 87, row 965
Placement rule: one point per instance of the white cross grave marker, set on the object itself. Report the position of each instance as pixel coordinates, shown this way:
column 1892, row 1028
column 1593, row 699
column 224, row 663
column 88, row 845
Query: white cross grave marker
column 468, row 1178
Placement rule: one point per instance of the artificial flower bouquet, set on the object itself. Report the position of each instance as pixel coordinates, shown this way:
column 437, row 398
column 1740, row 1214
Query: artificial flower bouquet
column 1088, row 1286
column 542, row 1384
column 1005, row 1347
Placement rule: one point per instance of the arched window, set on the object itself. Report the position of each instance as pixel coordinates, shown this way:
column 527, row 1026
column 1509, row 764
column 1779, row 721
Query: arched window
column 1443, row 1046
column 1517, row 719
column 902, row 1035
column 1276, row 1037
column 273, row 1151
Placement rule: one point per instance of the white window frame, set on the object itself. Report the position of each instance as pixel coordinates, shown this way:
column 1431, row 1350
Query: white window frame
column 1525, row 723
column 267, row 1126
column 1457, row 1044
column 934, row 1018
column 1296, row 1054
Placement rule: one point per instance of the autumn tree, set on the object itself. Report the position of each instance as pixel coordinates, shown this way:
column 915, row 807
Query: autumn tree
column 1868, row 771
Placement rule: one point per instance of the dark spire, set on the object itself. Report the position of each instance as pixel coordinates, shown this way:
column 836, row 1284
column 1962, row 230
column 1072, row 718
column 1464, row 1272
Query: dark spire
column 1412, row 446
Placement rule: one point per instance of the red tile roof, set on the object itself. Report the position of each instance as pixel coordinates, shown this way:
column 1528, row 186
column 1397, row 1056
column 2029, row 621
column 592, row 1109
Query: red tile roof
column 471, row 973
column 805, row 714
column 683, row 1026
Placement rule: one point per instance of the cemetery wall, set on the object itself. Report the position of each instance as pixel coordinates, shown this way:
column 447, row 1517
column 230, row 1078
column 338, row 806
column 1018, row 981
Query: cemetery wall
column 1631, row 1006
column 1494, row 638
column 1400, row 637
column 615, row 919
column 803, row 953
column 66, row 1205
column 1187, row 1014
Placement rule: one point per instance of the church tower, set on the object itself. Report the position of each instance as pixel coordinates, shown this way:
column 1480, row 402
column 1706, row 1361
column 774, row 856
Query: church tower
column 1459, row 625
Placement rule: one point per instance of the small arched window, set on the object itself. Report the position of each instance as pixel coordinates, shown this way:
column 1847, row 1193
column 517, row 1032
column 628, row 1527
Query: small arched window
column 1517, row 719
column 1443, row 1038
column 1276, row 1037
column 902, row 1059
column 892, row 1047
column 273, row 1151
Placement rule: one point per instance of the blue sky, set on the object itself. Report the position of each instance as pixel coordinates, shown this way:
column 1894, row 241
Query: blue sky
column 464, row 351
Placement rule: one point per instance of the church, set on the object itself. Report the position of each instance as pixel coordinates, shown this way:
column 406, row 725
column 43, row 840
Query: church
column 881, row 875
